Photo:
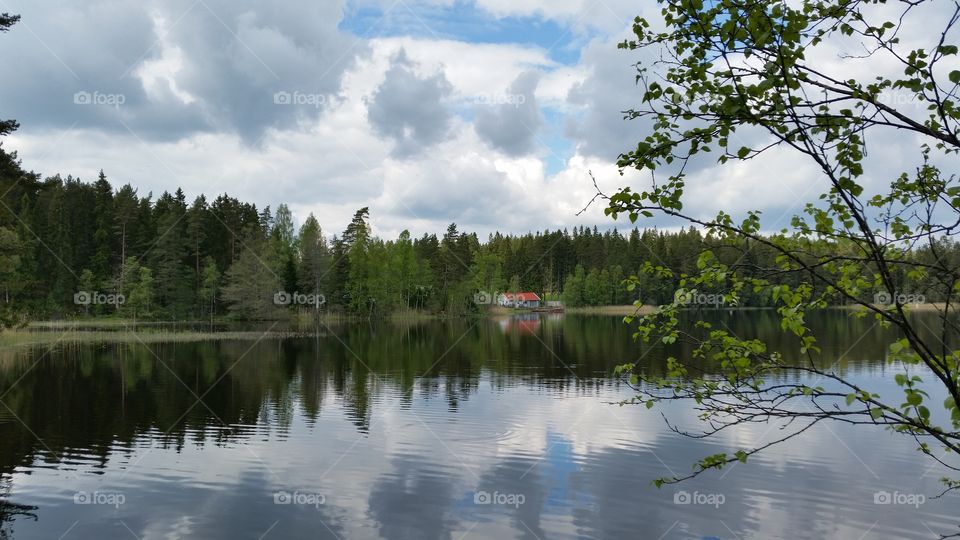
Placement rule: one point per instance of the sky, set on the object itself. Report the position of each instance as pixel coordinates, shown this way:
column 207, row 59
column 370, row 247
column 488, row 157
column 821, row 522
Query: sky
column 488, row 113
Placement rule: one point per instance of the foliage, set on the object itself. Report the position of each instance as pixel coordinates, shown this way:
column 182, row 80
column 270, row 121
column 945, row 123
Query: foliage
column 6, row 21
column 726, row 72
column 60, row 236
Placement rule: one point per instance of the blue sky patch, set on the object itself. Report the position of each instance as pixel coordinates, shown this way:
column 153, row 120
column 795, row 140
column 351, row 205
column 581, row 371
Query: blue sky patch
column 464, row 22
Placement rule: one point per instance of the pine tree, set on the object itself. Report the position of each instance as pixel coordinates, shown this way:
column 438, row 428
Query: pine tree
column 407, row 269
column 103, row 215
column 357, row 239
column 125, row 205
column 283, row 248
column 169, row 253
column 196, row 233
column 314, row 257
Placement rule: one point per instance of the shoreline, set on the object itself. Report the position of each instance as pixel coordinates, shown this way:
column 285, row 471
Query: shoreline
column 623, row 310
column 926, row 306
column 117, row 330
column 306, row 318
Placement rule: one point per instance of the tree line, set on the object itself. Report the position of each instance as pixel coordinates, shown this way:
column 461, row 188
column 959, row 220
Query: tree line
column 69, row 247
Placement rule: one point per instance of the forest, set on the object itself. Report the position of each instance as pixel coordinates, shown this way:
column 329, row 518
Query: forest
column 70, row 248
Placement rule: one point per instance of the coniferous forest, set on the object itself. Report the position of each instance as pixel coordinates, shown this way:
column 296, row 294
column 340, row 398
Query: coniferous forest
column 71, row 247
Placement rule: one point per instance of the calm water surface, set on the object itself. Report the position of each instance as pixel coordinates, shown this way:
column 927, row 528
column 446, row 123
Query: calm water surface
column 448, row 430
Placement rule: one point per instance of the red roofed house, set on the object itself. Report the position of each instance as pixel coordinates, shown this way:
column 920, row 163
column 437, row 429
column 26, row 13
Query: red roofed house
column 519, row 300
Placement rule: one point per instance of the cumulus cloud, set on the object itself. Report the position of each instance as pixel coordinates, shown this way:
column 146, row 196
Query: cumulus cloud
column 341, row 161
column 390, row 122
column 599, row 128
column 509, row 121
column 166, row 70
column 409, row 108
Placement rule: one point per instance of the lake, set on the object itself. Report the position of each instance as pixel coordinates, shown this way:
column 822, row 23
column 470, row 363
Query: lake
column 465, row 429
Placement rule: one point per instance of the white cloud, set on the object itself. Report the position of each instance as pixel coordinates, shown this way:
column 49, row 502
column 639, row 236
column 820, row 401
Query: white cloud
column 202, row 117
column 331, row 162
column 474, row 69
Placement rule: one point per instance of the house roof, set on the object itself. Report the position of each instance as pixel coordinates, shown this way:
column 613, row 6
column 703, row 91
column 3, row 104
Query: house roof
column 522, row 296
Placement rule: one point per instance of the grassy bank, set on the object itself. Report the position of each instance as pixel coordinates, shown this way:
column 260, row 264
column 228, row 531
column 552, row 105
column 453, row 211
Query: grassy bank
column 129, row 331
column 924, row 307
column 33, row 338
column 118, row 330
column 108, row 323
column 631, row 310
column 611, row 310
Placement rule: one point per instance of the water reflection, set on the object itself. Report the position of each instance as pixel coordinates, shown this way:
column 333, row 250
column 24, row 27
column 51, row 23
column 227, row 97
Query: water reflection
column 401, row 427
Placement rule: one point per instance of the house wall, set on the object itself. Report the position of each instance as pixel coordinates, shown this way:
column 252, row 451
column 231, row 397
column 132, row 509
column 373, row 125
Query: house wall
column 505, row 302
